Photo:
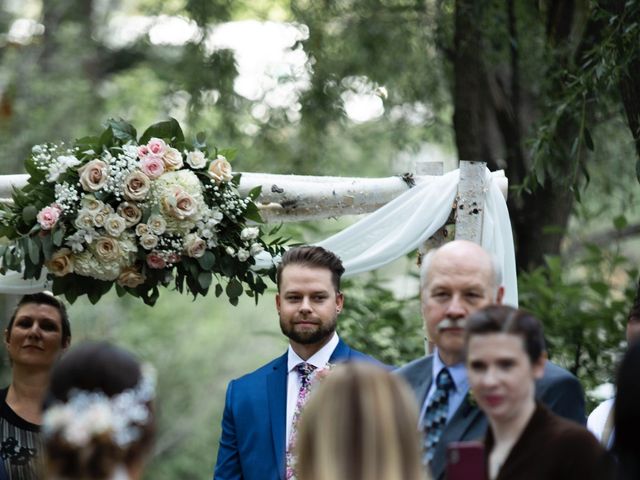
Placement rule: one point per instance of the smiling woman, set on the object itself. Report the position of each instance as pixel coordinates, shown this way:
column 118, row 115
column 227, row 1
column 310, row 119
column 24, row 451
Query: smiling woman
column 37, row 333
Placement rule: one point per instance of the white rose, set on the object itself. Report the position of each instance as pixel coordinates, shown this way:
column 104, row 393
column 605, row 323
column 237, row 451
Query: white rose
column 149, row 241
column 142, row 229
column 256, row 249
column 249, row 233
column 91, row 203
column 99, row 219
column 196, row 159
column 243, row 254
column 84, row 220
column 114, row 224
column 157, row 224
column 230, row 251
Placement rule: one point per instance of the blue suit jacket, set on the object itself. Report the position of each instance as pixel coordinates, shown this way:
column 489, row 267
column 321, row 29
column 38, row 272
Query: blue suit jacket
column 252, row 444
column 557, row 389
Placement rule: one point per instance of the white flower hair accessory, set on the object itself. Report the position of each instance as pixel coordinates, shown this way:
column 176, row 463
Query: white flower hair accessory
column 86, row 415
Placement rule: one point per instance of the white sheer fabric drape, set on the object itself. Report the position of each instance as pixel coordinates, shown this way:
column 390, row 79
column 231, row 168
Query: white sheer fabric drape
column 403, row 224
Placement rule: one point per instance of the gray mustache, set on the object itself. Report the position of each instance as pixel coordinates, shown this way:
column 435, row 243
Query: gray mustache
column 452, row 323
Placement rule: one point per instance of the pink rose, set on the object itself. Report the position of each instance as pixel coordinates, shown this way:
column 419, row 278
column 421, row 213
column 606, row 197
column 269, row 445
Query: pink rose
column 154, row 260
column 143, row 151
column 48, row 216
column 152, row 167
column 156, row 147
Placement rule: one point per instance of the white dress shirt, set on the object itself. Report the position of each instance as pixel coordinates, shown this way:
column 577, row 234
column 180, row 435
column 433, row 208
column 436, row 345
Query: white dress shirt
column 597, row 421
column 318, row 360
column 456, row 394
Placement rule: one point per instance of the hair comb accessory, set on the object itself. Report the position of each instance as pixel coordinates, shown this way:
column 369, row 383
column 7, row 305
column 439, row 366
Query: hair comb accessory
column 91, row 414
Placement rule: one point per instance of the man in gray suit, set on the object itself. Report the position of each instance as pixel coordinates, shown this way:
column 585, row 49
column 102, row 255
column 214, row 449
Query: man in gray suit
column 456, row 280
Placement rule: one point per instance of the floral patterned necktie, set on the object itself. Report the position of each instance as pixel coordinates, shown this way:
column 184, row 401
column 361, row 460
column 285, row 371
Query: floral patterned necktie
column 304, row 370
column 435, row 418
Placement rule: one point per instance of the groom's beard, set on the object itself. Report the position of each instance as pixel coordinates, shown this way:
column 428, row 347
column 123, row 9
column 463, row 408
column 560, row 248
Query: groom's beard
column 308, row 336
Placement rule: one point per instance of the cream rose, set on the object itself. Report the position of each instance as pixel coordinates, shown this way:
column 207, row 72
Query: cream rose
column 249, row 233
column 93, row 175
column 130, row 212
column 220, row 170
column 196, row 159
column 172, row 159
column 180, row 204
column 107, row 249
column 136, row 186
column 194, row 246
column 131, row 277
column 114, row 224
column 61, row 262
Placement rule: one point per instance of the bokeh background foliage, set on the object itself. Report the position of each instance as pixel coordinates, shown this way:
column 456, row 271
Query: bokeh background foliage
column 546, row 90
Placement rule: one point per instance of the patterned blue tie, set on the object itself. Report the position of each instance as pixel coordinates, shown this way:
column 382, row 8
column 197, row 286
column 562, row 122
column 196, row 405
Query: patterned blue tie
column 435, row 417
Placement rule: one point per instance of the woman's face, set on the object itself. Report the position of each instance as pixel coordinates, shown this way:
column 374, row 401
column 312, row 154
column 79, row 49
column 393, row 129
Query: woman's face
column 501, row 374
column 35, row 338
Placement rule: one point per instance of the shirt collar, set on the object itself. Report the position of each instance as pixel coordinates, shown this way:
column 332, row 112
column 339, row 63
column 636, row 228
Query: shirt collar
column 458, row 372
column 318, row 359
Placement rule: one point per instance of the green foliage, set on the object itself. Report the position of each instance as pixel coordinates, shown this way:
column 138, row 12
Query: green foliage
column 583, row 310
column 375, row 321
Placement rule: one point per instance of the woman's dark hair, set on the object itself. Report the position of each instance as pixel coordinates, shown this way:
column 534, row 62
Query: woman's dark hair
column 43, row 298
column 626, row 415
column 314, row 257
column 505, row 319
column 103, row 368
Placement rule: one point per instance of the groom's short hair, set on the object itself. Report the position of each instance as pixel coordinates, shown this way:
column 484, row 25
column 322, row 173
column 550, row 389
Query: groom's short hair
column 313, row 257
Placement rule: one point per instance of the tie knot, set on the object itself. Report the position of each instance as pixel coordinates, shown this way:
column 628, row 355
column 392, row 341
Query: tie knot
column 305, row 369
column 444, row 380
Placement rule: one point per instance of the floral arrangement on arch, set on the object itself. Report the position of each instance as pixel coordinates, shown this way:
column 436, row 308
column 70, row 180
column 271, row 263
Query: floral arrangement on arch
column 134, row 213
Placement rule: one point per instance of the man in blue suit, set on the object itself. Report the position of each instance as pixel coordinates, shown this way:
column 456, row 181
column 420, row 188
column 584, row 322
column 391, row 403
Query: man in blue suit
column 259, row 408
column 456, row 280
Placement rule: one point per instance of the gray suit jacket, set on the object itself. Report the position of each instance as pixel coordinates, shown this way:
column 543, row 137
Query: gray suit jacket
column 558, row 389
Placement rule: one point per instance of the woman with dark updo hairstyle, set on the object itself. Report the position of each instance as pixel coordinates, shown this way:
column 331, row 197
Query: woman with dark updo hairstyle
column 100, row 421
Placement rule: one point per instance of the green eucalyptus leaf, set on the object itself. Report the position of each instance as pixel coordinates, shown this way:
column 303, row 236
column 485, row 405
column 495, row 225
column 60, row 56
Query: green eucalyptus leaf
column 204, row 279
column 58, row 236
column 208, row 260
column 34, row 250
column 234, row 288
column 29, row 213
column 218, row 290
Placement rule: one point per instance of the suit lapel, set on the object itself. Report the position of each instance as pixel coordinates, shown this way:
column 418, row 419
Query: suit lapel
column 277, row 395
column 341, row 353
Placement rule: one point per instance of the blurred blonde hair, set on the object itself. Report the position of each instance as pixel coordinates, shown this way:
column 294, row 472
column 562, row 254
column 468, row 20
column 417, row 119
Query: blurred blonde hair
column 360, row 424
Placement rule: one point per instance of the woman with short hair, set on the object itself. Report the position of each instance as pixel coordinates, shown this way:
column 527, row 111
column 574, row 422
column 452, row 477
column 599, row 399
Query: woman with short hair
column 37, row 334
